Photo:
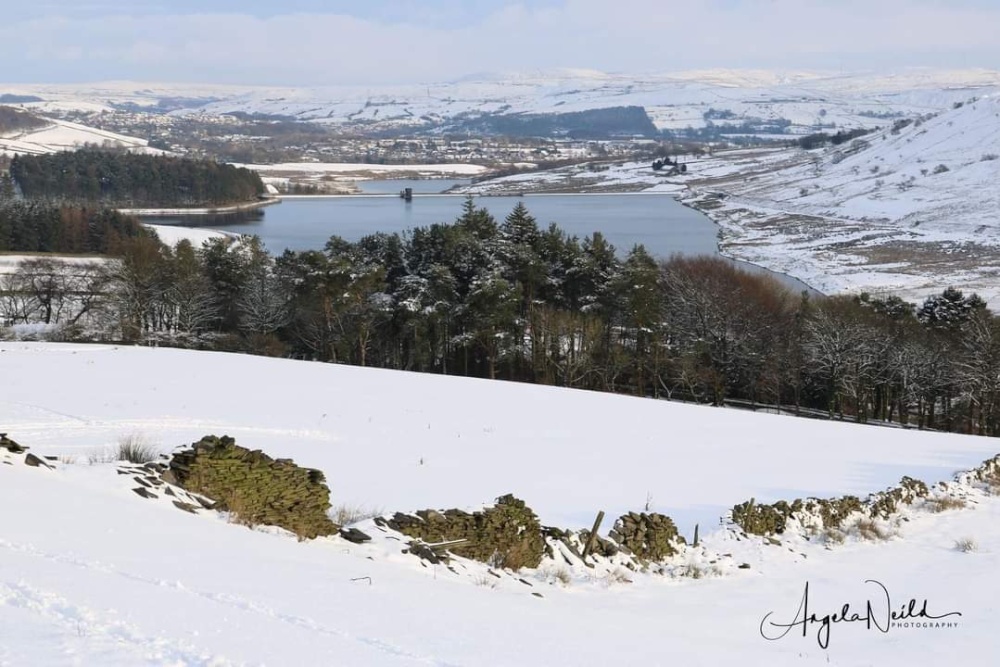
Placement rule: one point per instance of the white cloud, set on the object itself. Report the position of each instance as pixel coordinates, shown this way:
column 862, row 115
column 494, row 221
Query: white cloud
column 623, row 35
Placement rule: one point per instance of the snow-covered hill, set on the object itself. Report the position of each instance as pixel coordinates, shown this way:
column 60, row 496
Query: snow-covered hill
column 672, row 100
column 936, row 176
column 90, row 573
column 910, row 209
column 60, row 135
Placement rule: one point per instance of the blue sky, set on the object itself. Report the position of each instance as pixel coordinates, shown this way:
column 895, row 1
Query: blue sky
column 327, row 42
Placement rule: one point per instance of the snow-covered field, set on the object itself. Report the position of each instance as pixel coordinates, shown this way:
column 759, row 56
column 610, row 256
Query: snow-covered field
column 173, row 234
column 336, row 178
column 589, row 177
column 92, row 574
column 9, row 262
column 359, row 168
column 62, row 135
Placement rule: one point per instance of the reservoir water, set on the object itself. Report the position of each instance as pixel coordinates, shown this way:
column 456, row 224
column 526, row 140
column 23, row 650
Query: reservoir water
column 660, row 223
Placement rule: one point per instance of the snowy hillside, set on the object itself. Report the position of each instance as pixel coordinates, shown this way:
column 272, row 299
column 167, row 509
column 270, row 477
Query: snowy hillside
column 61, row 135
column 936, row 175
column 90, row 573
column 910, row 209
column 109, row 95
column 672, row 100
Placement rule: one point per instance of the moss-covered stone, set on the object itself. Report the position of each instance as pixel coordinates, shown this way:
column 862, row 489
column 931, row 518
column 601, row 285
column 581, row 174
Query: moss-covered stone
column 649, row 537
column 10, row 445
column 506, row 535
column 765, row 519
column 831, row 512
column 834, row 511
column 254, row 487
column 887, row 503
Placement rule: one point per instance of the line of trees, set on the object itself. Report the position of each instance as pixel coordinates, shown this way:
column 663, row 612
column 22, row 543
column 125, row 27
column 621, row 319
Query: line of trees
column 821, row 139
column 123, row 179
column 38, row 226
column 507, row 299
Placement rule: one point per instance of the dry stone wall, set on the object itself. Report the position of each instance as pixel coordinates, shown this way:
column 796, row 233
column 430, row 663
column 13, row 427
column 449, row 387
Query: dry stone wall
column 255, row 488
column 506, row 535
column 829, row 513
column 649, row 537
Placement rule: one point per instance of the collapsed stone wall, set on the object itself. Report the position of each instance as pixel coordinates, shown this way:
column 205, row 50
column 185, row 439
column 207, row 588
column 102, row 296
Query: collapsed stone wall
column 506, row 535
column 254, row 487
column 8, row 446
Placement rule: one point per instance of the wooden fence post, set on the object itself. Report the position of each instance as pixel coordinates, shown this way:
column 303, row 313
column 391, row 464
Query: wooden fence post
column 593, row 535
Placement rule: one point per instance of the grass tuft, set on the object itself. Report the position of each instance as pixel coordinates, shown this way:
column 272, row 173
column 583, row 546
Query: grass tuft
column 485, row 581
column 966, row 545
column 136, row 448
column 944, row 503
column 834, row 536
column 102, row 456
column 557, row 574
column 869, row 529
column 345, row 515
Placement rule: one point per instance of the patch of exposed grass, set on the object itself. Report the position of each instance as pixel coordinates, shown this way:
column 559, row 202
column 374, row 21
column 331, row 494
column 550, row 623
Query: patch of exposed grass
column 834, row 536
column 945, row 503
column 871, row 530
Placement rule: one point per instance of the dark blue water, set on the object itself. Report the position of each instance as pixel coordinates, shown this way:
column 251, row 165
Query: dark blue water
column 660, row 223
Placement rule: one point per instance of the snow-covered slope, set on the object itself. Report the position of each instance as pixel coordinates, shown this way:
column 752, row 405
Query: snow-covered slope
column 62, row 135
column 674, row 100
column 938, row 174
column 92, row 574
column 413, row 440
column 109, row 95
column 911, row 209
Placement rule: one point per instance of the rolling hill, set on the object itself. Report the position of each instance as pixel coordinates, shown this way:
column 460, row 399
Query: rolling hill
column 909, row 210
column 49, row 135
column 672, row 100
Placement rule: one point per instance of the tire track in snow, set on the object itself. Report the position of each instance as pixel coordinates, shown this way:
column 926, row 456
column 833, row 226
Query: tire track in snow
column 101, row 632
column 223, row 599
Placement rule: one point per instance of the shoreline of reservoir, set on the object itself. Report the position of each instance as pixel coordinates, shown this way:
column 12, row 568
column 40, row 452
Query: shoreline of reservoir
column 183, row 212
